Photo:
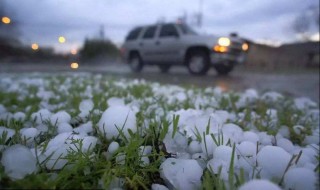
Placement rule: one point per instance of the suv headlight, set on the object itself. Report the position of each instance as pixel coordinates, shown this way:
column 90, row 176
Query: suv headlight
column 224, row 41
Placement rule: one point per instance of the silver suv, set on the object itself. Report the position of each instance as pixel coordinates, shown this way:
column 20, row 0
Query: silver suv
column 171, row 44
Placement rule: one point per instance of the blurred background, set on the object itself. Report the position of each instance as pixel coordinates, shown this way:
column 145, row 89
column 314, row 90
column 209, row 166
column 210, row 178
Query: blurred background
column 283, row 34
column 280, row 30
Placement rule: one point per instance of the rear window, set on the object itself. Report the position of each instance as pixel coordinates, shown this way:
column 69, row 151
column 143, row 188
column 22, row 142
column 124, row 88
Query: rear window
column 150, row 32
column 133, row 35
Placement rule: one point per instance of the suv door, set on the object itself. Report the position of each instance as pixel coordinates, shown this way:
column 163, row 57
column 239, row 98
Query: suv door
column 168, row 43
column 147, row 44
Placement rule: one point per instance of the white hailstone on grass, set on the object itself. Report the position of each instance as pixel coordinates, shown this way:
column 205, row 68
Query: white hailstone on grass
column 114, row 101
column 208, row 145
column 113, row 147
column 224, row 153
column 18, row 162
column 260, row 184
column 121, row 158
column 271, row 96
column 158, row 187
column 284, row 131
column 222, row 115
column 64, row 128
column 29, row 134
column 218, row 165
column 181, row 174
column 89, row 143
column 9, row 132
column 19, row 116
column 178, row 143
column 115, row 119
column 194, row 147
column 300, row 179
column 55, row 156
column 273, row 161
column 297, row 129
column 84, row 128
column 42, row 128
column 180, row 96
column 41, row 116
column 285, row 144
column 144, row 152
column 60, row 117
column 265, row 139
column 86, row 105
column 304, row 103
column 246, row 151
column 250, row 136
column 2, row 109
column 233, row 131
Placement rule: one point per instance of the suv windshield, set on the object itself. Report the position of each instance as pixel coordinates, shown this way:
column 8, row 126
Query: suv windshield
column 186, row 29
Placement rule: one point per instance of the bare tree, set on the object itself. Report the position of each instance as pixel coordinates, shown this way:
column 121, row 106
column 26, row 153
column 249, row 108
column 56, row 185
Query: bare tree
column 303, row 23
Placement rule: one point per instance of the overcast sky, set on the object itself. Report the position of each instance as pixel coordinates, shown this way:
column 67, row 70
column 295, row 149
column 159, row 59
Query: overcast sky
column 42, row 21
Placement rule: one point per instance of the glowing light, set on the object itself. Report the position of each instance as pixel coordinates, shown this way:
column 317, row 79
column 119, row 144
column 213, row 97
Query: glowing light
column 62, row 39
column 74, row 52
column 6, row 20
column 35, row 46
column 224, row 41
column 220, row 49
column 74, row 65
column 245, row 47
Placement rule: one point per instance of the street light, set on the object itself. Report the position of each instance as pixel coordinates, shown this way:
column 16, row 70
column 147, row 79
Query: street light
column 35, row 46
column 6, row 20
column 74, row 65
column 62, row 39
column 74, row 51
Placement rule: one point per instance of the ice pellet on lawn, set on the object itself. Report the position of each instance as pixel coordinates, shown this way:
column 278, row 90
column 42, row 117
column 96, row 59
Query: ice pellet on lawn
column 2, row 109
column 86, row 105
column 60, row 117
column 194, row 147
column 55, row 156
column 297, row 129
column 224, row 153
column 114, row 101
column 233, row 131
column 300, row 179
column 285, row 144
column 18, row 161
column 215, row 165
column 246, row 148
column 88, row 143
column 250, row 136
column 84, row 128
column 271, row 96
column 178, row 143
column 304, row 103
column 158, row 187
column 115, row 119
column 41, row 116
column 181, row 174
column 19, row 116
column 113, row 147
column 29, row 134
column 284, row 131
column 121, row 158
column 259, row 184
column 64, row 127
column 9, row 132
column 273, row 161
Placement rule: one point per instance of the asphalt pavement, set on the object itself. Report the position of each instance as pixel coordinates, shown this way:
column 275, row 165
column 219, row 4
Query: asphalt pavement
column 299, row 83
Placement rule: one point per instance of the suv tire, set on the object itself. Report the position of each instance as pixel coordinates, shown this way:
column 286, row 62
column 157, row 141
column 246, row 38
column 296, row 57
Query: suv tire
column 164, row 68
column 198, row 62
column 135, row 63
column 223, row 69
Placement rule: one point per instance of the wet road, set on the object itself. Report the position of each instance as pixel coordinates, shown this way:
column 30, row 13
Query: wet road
column 297, row 84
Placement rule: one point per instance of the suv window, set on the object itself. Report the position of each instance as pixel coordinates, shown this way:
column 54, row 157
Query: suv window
column 150, row 32
column 133, row 35
column 168, row 30
column 186, row 29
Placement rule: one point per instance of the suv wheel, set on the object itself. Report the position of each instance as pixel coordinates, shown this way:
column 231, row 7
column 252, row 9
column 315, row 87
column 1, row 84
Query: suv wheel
column 135, row 62
column 223, row 69
column 198, row 63
column 164, row 68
